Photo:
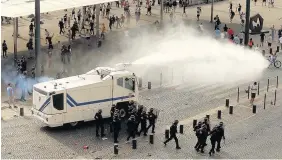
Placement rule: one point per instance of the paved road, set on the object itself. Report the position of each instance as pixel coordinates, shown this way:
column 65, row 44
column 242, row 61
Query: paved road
column 182, row 102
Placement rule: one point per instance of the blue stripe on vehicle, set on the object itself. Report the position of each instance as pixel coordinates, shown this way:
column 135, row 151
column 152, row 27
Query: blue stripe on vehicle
column 44, row 104
column 44, row 107
column 97, row 101
column 69, row 103
column 71, row 99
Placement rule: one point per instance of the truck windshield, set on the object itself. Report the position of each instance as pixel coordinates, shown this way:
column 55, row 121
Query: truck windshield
column 40, row 91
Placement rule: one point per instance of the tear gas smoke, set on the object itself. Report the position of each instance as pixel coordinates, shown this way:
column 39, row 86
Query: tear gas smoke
column 196, row 58
column 10, row 75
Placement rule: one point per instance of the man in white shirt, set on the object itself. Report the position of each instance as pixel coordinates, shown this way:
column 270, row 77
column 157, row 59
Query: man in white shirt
column 10, row 92
column 241, row 37
column 269, row 40
column 280, row 41
column 47, row 34
column 253, row 92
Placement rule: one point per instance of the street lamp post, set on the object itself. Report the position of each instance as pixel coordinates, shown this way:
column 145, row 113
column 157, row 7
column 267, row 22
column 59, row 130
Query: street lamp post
column 162, row 12
column 247, row 24
column 37, row 35
column 212, row 11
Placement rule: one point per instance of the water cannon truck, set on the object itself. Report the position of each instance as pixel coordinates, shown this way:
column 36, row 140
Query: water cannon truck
column 76, row 99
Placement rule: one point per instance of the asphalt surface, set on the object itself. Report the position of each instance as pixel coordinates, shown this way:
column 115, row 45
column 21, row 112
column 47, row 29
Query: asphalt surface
column 247, row 136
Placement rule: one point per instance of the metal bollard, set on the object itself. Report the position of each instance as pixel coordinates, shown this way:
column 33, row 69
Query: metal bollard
column 151, row 139
column 149, row 85
column 231, row 110
column 258, row 88
column 267, row 84
column 277, row 82
column 181, row 129
column 166, row 134
column 274, row 97
column 140, row 83
column 194, row 123
column 208, row 117
column 134, row 144
column 238, row 95
column 254, row 109
column 248, row 92
column 219, row 114
column 264, row 101
column 115, row 148
column 227, row 103
column 21, row 111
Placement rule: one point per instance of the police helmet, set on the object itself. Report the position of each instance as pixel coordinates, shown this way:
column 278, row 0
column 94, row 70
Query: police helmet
column 220, row 123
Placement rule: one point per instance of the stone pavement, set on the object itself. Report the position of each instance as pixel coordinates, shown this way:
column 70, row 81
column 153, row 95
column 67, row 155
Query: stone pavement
column 183, row 104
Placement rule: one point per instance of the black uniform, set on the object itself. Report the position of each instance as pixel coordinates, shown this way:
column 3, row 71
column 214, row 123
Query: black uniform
column 143, row 121
column 213, row 138
column 112, row 116
column 197, row 132
column 138, row 116
column 152, row 120
column 173, row 131
column 220, row 135
column 202, row 139
column 116, row 127
column 131, row 128
column 99, row 124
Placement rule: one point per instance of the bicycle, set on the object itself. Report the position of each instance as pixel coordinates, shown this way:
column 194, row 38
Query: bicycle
column 276, row 62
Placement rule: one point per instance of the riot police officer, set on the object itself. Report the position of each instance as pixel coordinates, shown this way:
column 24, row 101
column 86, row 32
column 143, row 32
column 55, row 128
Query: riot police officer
column 220, row 136
column 207, row 123
column 116, row 127
column 99, row 123
column 202, row 138
column 131, row 127
column 213, row 137
column 152, row 120
column 197, row 130
column 173, row 131
column 112, row 116
column 113, row 110
column 143, row 121
column 138, row 115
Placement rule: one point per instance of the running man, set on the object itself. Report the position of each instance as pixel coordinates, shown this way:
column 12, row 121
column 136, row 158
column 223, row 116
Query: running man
column 254, row 89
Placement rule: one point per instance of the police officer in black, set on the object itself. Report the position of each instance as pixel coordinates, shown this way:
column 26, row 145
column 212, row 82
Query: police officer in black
column 173, row 131
column 220, row 136
column 202, row 138
column 131, row 127
column 197, row 130
column 138, row 115
column 116, row 127
column 143, row 121
column 213, row 137
column 152, row 120
column 207, row 123
column 112, row 116
column 99, row 123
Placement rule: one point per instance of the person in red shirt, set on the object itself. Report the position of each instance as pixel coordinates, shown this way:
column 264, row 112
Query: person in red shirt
column 251, row 43
column 230, row 32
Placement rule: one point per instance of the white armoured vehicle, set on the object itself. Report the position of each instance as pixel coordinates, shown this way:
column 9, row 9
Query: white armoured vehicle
column 76, row 99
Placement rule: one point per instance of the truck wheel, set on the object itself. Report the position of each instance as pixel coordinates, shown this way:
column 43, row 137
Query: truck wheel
column 122, row 113
column 73, row 124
